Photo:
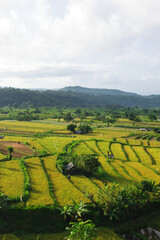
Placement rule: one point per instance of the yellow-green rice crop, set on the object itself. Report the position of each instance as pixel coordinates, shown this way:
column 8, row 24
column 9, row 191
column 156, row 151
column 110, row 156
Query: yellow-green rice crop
column 104, row 147
column 121, row 170
column 11, row 178
column 93, row 146
column 64, row 191
column 15, row 139
column 124, row 120
column 82, row 148
column 155, row 152
column 98, row 182
column 85, row 185
column 34, row 144
column 121, row 140
column 145, row 143
column 118, row 152
column 134, row 142
column 131, row 154
column 111, row 171
column 2, row 156
column 145, row 171
column 132, row 172
column 156, row 168
column 39, row 194
column 154, row 144
column 105, row 134
column 145, row 158
column 29, row 126
column 54, row 144
column 110, row 133
column 107, row 167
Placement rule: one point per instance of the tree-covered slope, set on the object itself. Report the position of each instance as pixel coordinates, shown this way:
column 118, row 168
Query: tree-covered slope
column 12, row 96
column 97, row 91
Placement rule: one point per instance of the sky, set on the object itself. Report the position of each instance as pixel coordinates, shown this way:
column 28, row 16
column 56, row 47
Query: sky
column 112, row 44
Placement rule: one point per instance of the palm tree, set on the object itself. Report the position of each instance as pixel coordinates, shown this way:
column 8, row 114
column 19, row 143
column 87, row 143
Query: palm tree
column 78, row 209
column 10, row 150
column 66, row 211
column 75, row 211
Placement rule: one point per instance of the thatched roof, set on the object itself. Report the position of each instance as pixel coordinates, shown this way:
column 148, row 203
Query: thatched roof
column 69, row 166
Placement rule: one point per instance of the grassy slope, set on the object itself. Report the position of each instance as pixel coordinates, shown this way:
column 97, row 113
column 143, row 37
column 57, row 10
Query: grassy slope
column 102, row 234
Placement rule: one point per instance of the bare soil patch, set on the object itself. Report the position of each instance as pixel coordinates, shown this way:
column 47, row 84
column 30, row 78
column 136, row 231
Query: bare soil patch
column 19, row 149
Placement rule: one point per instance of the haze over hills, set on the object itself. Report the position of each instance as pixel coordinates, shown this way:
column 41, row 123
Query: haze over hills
column 104, row 91
column 76, row 97
column 98, row 91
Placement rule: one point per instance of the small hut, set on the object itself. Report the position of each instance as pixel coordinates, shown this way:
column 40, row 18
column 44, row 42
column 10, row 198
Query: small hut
column 142, row 129
column 110, row 156
column 70, row 168
column 78, row 132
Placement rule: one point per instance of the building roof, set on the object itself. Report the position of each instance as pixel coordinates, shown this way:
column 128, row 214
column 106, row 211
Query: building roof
column 142, row 129
column 78, row 132
column 69, row 166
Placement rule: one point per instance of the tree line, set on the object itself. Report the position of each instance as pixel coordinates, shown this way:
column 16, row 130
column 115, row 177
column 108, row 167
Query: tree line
column 26, row 97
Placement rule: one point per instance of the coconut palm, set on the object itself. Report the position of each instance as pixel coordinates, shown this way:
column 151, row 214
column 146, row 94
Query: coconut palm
column 74, row 211
column 10, row 150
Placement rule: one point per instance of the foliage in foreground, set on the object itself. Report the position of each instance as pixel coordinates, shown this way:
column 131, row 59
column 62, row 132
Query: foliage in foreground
column 102, row 234
column 81, row 230
column 3, row 201
column 75, row 211
column 117, row 201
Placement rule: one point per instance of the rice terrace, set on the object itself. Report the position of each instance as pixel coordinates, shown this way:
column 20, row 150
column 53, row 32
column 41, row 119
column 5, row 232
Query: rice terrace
column 45, row 174
column 79, row 120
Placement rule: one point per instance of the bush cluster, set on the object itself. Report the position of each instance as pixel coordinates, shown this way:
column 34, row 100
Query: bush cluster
column 117, row 201
column 27, row 185
column 84, row 164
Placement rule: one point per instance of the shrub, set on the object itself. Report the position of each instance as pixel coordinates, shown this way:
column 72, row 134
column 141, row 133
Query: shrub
column 75, row 211
column 43, row 153
column 71, row 127
column 117, row 201
column 10, row 150
column 86, row 163
column 27, row 185
column 81, row 230
column 3, row 201
column 156, row 130
column 85, row 128
column 147, row 186
column 67, row 117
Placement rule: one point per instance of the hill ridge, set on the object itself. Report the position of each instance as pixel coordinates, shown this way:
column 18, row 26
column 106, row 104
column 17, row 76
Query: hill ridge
column 102, row 91
column 38, row 98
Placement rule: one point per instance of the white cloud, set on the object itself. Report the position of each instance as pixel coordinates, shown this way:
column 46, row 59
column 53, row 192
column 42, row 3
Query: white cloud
column 79, row 41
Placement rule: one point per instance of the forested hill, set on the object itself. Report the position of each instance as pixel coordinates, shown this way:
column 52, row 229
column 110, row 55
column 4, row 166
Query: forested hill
column 97, row 91
column 19, row 97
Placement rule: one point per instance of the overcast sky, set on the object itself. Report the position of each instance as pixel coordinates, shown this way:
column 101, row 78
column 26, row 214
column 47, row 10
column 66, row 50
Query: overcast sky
column 50, row 44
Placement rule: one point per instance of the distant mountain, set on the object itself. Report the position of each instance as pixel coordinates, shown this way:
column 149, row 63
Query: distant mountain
column 68, row 98
column 97, row 91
